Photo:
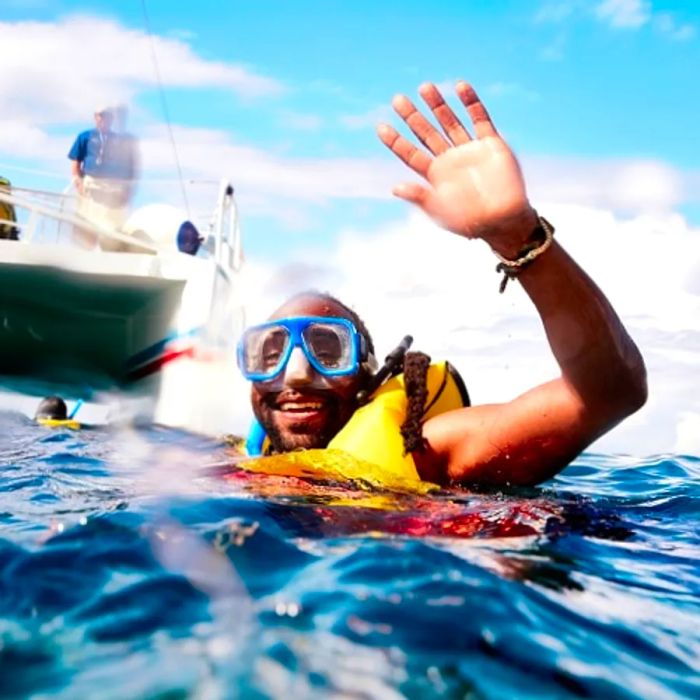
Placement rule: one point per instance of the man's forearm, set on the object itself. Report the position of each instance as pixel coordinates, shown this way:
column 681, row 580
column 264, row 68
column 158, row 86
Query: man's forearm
column 592, row 347
column 76, row 175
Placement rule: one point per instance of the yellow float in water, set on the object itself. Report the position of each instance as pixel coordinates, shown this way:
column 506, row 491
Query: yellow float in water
column 59, row 423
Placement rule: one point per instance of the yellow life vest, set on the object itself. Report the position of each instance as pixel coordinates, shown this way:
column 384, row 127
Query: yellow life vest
column 370, row 447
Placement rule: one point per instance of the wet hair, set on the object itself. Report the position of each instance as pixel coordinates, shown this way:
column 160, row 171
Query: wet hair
column 52, row 407
column 415, row 377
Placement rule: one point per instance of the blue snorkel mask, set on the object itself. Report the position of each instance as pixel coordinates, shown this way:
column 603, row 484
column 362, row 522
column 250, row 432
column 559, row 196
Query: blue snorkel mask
column 332, row 346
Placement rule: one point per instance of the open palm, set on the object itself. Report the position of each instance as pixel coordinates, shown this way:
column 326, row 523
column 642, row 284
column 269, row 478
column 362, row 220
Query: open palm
column 475, row 187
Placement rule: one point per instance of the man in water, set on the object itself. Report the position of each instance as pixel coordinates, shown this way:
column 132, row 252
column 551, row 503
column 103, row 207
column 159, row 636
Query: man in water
column 104, row 169
column 305, row 390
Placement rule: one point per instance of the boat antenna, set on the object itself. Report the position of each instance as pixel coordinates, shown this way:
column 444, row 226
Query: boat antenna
column 164, row 103
column 393, row 363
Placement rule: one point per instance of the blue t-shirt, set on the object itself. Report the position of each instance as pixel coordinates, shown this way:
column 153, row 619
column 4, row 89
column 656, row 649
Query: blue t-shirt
column 105, row 154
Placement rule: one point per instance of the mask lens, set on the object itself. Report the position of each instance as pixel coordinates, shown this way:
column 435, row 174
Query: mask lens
column 330, row 344
column 264, row 350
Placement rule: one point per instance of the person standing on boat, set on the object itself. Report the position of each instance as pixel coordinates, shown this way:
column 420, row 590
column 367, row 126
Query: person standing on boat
column 311, row 362
column 104, row 170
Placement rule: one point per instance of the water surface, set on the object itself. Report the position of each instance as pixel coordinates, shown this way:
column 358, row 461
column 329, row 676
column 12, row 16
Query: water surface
column 130, row 568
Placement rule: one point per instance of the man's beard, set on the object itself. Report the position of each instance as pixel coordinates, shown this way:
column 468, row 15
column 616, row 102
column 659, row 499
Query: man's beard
column 339, row 411
column 291, row 438
column 289, row 441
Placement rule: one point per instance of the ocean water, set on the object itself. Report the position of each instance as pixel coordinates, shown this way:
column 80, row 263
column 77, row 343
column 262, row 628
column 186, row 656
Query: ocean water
column 132, row 566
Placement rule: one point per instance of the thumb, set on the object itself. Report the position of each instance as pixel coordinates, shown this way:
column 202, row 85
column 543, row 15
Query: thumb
column 422, row 197
column 412, row 192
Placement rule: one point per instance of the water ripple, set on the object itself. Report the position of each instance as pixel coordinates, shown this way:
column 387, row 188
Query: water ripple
column 126, row 571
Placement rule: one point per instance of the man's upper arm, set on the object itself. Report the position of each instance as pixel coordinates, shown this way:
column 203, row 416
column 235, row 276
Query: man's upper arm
column 525, row 441
column 78, row 149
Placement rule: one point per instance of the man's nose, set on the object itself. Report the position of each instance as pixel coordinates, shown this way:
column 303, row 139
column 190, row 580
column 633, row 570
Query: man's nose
column 298, row 371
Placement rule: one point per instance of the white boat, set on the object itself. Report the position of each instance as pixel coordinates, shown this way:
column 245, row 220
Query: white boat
column 149, row 330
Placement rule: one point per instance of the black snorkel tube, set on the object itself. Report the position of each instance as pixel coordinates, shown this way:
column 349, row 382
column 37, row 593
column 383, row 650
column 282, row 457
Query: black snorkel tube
column 393, row 364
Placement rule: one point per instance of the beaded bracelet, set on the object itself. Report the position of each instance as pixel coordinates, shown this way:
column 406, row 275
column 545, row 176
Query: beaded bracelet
column 512, row 268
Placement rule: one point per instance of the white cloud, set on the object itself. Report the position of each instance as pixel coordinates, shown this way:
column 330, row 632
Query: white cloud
column 628, row 186
column 300, row 121
column 556, row 11
column 624, row 14
column 412, row 277
column 513, row 90
column 26, row 4
column 384, row 113
column 665, row 23
column 207, row 152
column 688, row 434
column 554, row 50
column 182, row 34
column 617, row 14
column 57, row 72
column 447, row 86
column 24, row 140
column 369, row 119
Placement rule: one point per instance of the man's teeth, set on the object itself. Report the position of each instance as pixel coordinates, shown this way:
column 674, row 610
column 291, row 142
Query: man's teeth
column 301, row 406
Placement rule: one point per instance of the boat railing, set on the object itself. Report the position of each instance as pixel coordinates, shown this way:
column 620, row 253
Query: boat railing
column 227, row 248
column 49, row 217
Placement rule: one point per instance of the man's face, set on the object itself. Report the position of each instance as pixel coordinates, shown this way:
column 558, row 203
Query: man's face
column 301, row 409
column 103, row 120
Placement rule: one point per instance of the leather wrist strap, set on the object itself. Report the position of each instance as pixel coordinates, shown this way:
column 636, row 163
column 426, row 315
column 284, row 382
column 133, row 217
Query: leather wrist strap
column 539, row 241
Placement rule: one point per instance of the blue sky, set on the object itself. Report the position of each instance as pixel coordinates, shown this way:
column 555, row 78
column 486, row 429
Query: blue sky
column 598, row 81
column 599, row 99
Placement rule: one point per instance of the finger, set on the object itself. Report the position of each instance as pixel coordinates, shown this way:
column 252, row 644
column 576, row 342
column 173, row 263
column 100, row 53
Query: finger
column 443, row 113
column 413, row 157
column 427, row 134
column 412, row 192
column 422, row 197
column 483, row 126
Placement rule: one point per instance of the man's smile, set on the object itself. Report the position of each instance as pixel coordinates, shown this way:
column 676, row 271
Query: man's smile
column 301, row 409
column 300, row 406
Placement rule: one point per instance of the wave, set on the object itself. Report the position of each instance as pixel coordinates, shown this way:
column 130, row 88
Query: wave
column 127, row 570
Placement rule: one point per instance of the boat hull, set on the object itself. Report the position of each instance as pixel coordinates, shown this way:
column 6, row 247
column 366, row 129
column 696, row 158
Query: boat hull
column 147, row 329
column 77, row 328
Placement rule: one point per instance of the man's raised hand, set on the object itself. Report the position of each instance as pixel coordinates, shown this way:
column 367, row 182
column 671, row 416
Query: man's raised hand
column 475, row 187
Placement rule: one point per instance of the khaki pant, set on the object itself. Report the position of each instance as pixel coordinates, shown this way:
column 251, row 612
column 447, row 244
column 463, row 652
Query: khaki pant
column 104, row 204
